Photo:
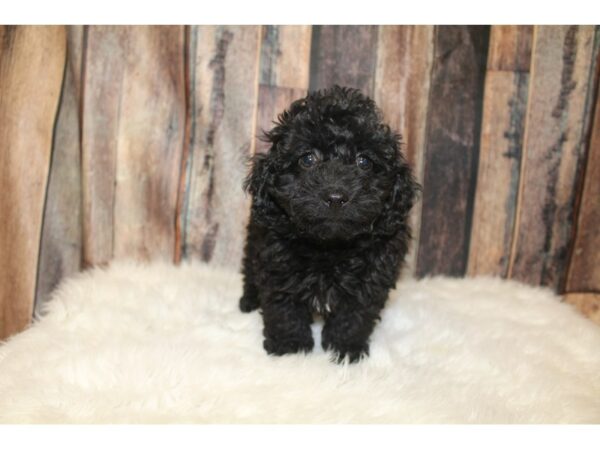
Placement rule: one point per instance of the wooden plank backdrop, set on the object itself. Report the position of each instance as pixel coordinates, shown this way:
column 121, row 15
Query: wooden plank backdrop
column 344, row 55
column 557, row 114
column 223, row 81
column 132, row 141
column 28, row 104
column 135, row 142
column 402, row 83
column 451, row 148
column 584, row 270
column 504, row 107
column 284, row 74
column 61, row 240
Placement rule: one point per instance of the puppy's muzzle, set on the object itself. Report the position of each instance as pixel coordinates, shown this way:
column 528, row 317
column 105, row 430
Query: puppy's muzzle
column 334, row 199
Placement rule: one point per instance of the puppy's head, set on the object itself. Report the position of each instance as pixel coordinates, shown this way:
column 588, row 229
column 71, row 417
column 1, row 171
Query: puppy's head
column 334, row 170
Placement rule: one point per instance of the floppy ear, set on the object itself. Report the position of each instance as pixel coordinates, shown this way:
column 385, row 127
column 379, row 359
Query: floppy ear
column 259, row 182
column 400, row 201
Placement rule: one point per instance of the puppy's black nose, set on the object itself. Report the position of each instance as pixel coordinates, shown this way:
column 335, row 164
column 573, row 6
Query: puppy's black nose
column 335, row 199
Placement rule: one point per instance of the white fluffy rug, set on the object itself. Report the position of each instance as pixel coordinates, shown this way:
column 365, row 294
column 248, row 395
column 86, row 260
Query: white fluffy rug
column 166, row 344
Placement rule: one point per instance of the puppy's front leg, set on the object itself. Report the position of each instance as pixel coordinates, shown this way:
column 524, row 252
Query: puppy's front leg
column 286, row 327
column 347, row 330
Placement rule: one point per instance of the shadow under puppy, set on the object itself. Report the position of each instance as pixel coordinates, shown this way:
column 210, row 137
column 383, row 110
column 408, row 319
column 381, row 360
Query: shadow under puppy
column 328, row 228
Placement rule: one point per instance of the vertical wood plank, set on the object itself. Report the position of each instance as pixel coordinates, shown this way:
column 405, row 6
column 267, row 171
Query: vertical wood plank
column 452, row 147
column 284, row 73
column 133, row 128
column 402, row 81
column 503, row 123
column 104, row 65
column 584, row 267
column 150, row 143
column 344, row 55
column 60, row 246
column 224, row 72
column 285, row 55
column 28, row 104
column 184, row 173
column 554, row 145
column 510, row 48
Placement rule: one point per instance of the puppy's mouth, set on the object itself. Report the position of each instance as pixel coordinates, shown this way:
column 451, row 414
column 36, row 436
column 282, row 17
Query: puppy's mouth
column 324, row 223
column 335, row 231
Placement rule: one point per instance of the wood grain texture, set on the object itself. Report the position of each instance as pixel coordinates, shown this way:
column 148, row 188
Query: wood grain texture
column 104, row 64
column 284, row 74
column 60, row 246
column 402, row 80
column 285, row 56
column 554, row 145
column 452, row 147
column 224, row 69
column 133, row 128
column 28, row 104
column 510, row 48
column 584, row 267
column 586, row 303
column 344, row 55
column 502, row 128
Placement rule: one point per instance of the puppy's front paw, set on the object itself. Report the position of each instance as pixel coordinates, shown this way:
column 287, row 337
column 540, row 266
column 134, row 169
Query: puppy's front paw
column 342, row 352
column 248, row 303
column 280, row 347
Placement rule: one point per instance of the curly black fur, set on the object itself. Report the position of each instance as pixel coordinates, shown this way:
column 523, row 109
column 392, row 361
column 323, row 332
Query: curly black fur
column 328, row 228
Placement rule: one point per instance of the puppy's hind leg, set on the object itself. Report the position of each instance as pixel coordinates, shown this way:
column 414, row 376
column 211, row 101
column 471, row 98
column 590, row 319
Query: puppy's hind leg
column 249, row 301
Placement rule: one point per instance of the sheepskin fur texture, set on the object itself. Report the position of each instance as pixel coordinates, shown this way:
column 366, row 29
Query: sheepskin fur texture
column 160, row 343
column 328, row 228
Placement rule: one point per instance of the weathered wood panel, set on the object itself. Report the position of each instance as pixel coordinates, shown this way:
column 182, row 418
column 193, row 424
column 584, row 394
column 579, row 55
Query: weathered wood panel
column 224, row 69
column 60, row 246
column 452, row 146
column 587, row 303
column 584, row 267
column 402, row 80
column 503, row 123
column 344, row 55
column 510, row 48
column 554, row 146
column 133, row 128
column 104, row 64
column 183, row 188
column 28, row 104
column 284, row 74
column 150, row 143
column 285, row 55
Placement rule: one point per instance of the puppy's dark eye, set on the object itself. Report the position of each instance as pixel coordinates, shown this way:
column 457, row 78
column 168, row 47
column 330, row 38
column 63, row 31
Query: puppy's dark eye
column 363, row 162
column 308, row 160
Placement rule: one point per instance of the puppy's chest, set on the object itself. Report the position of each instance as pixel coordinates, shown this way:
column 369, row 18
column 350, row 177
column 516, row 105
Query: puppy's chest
column 320, row 278
column 322, row 297
column 327, row 281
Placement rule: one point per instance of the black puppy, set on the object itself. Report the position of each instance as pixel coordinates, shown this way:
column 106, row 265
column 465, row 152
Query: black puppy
column 328, row 228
